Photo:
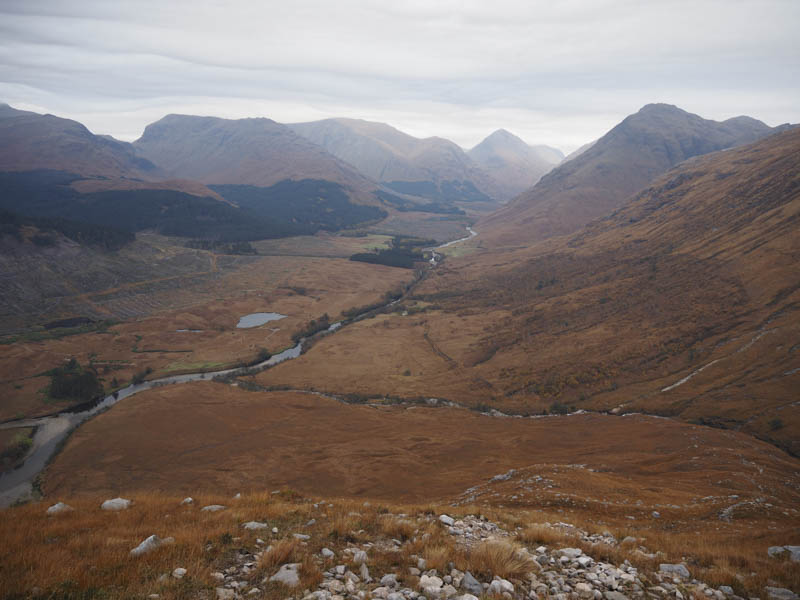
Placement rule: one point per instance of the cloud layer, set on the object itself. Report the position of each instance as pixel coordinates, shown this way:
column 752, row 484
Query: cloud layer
column 560, row 73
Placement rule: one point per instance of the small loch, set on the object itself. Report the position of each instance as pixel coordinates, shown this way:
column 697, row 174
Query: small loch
column 257, row 319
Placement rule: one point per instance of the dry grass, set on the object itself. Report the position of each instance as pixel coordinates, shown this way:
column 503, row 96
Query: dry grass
column 281, row 552
column 538, row 533
column 400, row 529
column 497, row 558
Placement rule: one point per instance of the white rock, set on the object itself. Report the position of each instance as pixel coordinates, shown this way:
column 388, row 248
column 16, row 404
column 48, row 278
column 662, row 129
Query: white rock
column 148, row 545
column 187, row 500
column 585, row 561
column 364, row 572
column 301, row 536
column 449, row 591
column 776, row 593
column 359, row 557
column 179, row 573
column 218, row 576
column 225, row 594
column 447, row 520
column 116, row 504
column 59, row 507
column 274, row 530
column 254, row 525
column 287, row 575
column 213, row 508
column 430, row 581
column 584, row 590
column 327, row 553
column 467, row 597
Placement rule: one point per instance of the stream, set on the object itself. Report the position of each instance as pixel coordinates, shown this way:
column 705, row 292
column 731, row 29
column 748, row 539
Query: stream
column 52, row 431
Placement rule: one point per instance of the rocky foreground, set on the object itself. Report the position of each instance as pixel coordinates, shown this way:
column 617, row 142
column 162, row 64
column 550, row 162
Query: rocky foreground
column 548, row 571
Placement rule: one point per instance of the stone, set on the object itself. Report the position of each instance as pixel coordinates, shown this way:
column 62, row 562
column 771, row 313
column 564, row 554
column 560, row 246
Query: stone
column 327, row 553
column 467, row 597
column 301, row 536
column 656, row 514
column 225, row 594
column 116, row 504
column 726, row 589
column 629, row 540
column 287, row 575
column 585, row 561
column 584, row 590
column 188, row 500
column 274, row 530
column 213, row 508
column 59, row 507
column 359, row 557
column 447, row 520
column 254, row 525
column 430, row 581
column 179, row 573
column 218, row 576
column 679, row 570
column 571, row 553
column 389, row 580
column 364, row 573
column 148, row 545
column 448, row 591
column 471, row 585
column 612, row 595
column 776, row 593
column 500, row 586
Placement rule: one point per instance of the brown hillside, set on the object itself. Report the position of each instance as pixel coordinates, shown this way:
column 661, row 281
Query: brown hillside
column 600, row 179
column 698, row 272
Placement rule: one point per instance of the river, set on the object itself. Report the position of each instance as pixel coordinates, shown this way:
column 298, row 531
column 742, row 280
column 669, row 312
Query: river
column 51, row 432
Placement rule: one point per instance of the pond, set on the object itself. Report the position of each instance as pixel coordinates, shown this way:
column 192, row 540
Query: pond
column 256, row 319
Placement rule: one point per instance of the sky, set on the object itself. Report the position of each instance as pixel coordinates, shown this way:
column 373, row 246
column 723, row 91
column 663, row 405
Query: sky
column 560, row 72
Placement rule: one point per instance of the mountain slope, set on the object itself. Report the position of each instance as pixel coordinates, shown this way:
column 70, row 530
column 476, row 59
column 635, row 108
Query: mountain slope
column 30, row 141
column 432, row 168
column 258, row 152
column 510, row 160
column 600, row 179
column 697, row 275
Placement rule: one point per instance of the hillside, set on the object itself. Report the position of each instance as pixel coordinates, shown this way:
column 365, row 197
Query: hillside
column 600, row 179
column 510, row 160
column 433, row 168
column 695, row 278
column 257, row 152
column 30, row 141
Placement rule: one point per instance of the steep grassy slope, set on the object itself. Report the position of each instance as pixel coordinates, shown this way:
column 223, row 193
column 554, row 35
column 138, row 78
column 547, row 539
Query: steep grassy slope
column 620, row 163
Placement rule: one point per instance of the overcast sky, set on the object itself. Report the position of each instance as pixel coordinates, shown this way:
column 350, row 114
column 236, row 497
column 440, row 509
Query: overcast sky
column 560, row 72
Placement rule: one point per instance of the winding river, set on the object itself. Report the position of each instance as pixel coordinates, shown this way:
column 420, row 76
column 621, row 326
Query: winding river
column 51, row 432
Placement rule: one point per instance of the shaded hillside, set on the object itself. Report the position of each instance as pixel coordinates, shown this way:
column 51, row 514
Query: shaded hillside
column 698, row 275
column 600, row 179
column 258, row 152
column 31, row 141
column 433, row 168
column 513, row 162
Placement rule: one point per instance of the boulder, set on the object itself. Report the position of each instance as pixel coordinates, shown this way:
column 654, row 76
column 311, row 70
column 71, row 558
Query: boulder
column 359, row 557
column 116, row 504
column 389, row 580
column 611, row 595
column 254, row 525
column 225, row 594
column 327, row 553
column 471, row 585
column 571, row 553
column 287, row 575
column 148, row 545
column 776, row 593
column 679, row 570
column 179, row 573
column 188, row 500
column 213, row 508
column 447, row 520
column 59, row 507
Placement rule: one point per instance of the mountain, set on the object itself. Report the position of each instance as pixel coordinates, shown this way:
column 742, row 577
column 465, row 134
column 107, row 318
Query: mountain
column 257, row 152
column 683, row 303
column 579, row 151
column 30, row 141
column 510, row 160
column 600, row 179
column 432, row 168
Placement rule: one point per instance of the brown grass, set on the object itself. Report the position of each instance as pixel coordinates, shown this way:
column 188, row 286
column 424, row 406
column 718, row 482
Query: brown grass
column 497, row 558
column 538, row 533
column 281, row 552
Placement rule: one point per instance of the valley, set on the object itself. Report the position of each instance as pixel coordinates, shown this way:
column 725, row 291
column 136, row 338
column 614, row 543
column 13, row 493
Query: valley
column 614, row 348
